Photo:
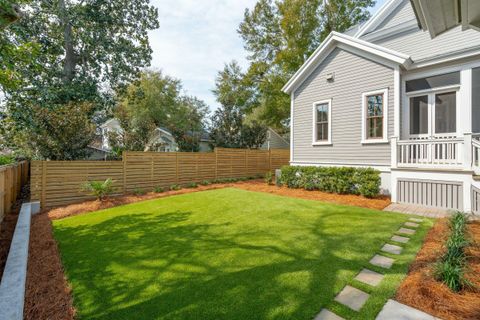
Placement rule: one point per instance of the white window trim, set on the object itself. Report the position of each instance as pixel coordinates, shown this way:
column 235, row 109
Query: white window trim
column 314, row 124
column 384, row 139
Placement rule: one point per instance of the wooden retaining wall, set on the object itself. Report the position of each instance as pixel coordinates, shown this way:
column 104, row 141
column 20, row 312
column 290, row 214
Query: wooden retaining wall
column 58, row 183
column 12, row 179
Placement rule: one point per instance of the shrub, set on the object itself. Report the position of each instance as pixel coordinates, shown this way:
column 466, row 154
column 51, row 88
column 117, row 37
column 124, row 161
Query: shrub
column 4, row 160
column 175, row 187
column 451, row 267
column 342, row 180
column 205, row 182
column 138, row 192
column 158, row 189
column 99, row 189
column 192, row 185
column 269, row 178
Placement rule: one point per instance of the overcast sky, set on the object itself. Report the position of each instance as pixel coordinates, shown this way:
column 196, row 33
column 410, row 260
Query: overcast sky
column 196, row 38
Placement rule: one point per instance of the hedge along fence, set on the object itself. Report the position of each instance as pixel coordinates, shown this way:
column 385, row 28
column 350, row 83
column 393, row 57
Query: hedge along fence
column 342, row 180
column 58, row 183
column 12, row 178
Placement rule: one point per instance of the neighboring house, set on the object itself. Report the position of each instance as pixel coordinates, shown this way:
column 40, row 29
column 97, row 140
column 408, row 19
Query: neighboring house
column 386, row 95
column 163, row 141
column 275, row 141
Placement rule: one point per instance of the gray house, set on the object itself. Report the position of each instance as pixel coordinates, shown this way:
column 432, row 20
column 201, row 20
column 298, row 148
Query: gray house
column 400, row 95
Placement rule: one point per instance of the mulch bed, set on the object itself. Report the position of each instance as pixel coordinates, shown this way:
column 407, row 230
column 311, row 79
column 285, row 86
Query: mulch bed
column 48, row 295
column 420, row 290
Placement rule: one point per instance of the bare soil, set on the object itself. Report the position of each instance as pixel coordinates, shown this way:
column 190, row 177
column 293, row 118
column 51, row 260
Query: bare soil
column 420, row 290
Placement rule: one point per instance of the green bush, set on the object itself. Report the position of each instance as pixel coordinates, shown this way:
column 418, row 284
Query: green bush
column 451, row 267
column 4, row 160
column 342, row 180
column 138, row 192
column 99, row 189
column 175, row 187
column 158, row 189
column 205, row 182
column 192, row 185
column 269, row 178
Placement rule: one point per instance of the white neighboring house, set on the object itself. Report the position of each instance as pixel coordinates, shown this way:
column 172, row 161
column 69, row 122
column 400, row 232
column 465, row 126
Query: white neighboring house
column 398, row 96
column 163, row 141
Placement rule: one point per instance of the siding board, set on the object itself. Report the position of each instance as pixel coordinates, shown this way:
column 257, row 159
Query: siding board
column 354, row 75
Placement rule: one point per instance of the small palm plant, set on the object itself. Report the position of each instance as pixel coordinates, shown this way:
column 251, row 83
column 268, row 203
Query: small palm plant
column 99, row 189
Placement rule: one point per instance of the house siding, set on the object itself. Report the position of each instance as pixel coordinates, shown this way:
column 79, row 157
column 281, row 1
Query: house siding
column 402, row 13
column 274, row 141
column 354, row 75
column 419, row 46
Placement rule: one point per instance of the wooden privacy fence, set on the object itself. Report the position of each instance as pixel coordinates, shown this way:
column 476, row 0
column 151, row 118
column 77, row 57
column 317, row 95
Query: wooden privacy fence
column 12, row 179
column 58, row 183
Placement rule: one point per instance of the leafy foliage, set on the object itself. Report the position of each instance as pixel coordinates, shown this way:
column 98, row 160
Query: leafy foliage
column 451, row 267
column 155, row 100
column 279, row 36
column 269, row 178
column 342, row 180
column 158, row 189
column 67, row 52
column 4, row 160
column 229, row 127
column 99, row 189
column 62, row 133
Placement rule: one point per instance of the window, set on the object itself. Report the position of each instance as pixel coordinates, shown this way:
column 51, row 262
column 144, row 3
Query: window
column 419, row 115
column 375, row 116
column 322, row 122
column 442, row 80
column 433, row 113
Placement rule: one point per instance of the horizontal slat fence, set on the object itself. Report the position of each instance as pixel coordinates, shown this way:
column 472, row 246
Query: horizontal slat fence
column 12, row 179
column 58, row 183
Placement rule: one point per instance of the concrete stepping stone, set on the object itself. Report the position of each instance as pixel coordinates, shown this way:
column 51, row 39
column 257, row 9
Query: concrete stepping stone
column 391, row 248
column 369, row 277
column 400, row 239
column 396, row 310
column 406, row 231
column 411, row 224
column 381, row 261
column 352, row 298
column 326, row 314
column 416, row 220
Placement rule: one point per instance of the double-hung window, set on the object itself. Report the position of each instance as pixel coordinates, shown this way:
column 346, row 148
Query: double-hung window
column 374, row 119
column 322, row 127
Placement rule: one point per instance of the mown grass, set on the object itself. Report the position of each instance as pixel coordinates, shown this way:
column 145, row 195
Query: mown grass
column 226, row 254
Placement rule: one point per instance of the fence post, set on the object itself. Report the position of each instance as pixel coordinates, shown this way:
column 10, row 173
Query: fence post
column 270, row 160
column 176, row 168
column 151, row 172
column 2, row 194
column 124, row 160
column 216, row 163
column 44, row 185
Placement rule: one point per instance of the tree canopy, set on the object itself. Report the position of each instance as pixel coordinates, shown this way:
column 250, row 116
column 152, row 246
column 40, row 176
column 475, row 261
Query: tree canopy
column 279, row 36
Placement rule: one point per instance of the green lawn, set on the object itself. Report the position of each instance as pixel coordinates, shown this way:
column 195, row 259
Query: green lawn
column 226, row 254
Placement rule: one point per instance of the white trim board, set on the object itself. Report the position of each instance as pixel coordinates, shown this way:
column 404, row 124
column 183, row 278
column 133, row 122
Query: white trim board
column 379, row 167
column 382, row 13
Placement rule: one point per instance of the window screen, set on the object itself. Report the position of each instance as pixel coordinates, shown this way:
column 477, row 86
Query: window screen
column 419, row 115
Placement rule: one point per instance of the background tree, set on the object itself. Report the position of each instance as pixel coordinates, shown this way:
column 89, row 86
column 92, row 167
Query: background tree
column 60, row 134
column 156, row 100
column 85, row 51
column 229, row 127
column 279, row 36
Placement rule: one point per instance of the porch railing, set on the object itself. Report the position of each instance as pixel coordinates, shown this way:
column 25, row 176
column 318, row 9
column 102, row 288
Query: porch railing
column 443, row 152
column 476, row 153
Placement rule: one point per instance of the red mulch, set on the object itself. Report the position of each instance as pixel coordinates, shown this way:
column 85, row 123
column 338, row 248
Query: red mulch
column 420, row 290
column 48, row 295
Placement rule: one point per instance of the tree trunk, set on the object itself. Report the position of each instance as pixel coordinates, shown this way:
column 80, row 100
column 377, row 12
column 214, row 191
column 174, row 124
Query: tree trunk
column 70, row 58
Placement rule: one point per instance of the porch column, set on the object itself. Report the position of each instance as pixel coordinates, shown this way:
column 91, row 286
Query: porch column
column 464, row 111
column 393, row 153
column 467, row 150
